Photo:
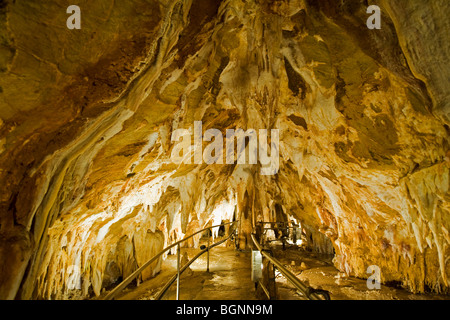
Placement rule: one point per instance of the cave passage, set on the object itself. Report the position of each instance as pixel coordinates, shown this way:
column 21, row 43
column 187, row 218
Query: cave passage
column 321, row 126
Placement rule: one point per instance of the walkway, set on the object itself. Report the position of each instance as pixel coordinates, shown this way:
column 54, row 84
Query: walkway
column 229, row 278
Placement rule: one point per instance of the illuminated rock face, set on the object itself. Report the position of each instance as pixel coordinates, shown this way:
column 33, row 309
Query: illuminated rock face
column 89, row 191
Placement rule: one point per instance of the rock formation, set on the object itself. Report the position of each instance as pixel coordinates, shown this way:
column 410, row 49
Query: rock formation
column 89, row 191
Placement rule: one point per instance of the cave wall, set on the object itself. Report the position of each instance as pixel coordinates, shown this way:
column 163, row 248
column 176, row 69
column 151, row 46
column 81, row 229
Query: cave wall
column 89, row 190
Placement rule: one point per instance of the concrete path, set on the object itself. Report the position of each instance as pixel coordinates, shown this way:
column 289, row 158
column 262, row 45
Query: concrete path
column 229, row 278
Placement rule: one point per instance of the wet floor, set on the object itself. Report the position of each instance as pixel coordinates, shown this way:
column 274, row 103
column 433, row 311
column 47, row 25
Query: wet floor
column 317, row 270
column 229, row 278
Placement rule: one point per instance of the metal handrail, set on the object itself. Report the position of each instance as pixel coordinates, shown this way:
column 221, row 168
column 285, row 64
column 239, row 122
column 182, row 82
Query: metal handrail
column 176, row 276
column 138, row 271
column 307, row 291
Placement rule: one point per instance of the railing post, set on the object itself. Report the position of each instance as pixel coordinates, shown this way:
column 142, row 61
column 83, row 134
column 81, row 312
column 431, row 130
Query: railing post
column 178, row 272
column 207, row 259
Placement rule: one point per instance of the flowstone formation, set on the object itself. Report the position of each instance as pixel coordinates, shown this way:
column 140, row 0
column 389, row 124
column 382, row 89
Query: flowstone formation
column 89, row 191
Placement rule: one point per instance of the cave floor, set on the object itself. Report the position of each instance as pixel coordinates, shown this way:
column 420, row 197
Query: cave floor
column 317, row 271
column 230, row 279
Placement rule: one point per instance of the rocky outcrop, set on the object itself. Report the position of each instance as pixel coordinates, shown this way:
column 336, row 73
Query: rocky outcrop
column 89, row 190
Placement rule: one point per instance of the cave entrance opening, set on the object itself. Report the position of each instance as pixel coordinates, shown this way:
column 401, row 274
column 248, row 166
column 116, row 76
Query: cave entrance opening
column 283, row 230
